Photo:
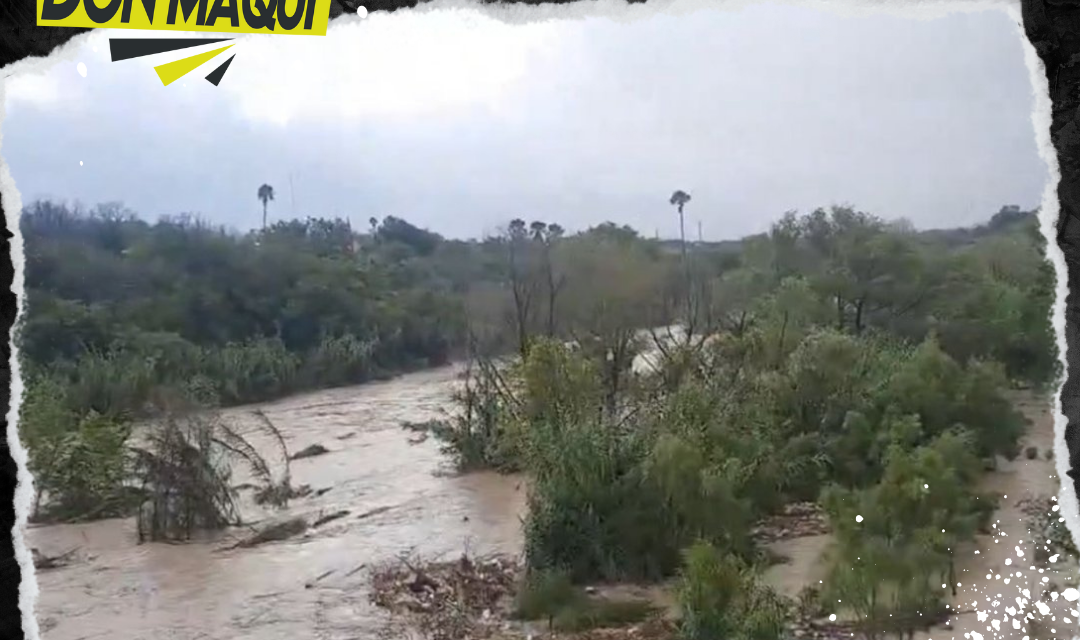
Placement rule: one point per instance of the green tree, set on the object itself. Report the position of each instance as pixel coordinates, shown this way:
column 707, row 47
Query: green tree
column 266, row 194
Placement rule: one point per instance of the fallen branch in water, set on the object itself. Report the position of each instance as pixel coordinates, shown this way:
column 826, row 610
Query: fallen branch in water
column 42, row 561
column 311, row 584
column 273, row 533
column 330, row 517
column 373, row 512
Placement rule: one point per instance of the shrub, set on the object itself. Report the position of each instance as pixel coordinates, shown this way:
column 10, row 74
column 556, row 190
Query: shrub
column 721, row 598
column 185, row 471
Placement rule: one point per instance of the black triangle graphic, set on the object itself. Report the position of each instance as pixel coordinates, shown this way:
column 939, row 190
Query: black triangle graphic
column 127, row 48
column 217, row 74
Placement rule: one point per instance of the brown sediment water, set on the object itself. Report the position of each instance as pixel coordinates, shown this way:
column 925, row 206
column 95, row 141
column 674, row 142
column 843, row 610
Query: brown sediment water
column 401, row 499
column 124, row 591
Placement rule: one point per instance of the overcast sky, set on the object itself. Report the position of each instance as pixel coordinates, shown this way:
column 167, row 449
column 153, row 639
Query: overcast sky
column 459, row 122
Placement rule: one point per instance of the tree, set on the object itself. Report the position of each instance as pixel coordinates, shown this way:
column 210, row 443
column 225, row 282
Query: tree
column 266, row 194
column 613, row 286
column 679, row 199
column 420, row 241
column 547, row 235
column 522, row 276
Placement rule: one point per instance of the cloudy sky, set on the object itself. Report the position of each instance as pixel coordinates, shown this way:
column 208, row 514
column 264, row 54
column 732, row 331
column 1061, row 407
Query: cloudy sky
column 458, row 121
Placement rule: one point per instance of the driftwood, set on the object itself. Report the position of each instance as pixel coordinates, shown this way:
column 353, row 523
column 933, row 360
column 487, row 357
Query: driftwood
column 274, row 533
column 330, row 517
column 42, row 561
column 373, row 512
column 309, row 585
column 309, row 451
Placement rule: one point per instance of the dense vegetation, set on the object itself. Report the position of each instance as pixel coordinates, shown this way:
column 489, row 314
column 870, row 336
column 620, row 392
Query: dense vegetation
column 662, row 396
column 838, row 359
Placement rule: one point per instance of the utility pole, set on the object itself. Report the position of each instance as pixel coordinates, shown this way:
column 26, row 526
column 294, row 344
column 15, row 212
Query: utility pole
column 699, row 237
column 292, row 196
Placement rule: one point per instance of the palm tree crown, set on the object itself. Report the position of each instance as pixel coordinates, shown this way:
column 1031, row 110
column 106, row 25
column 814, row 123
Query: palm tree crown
column 266, row 194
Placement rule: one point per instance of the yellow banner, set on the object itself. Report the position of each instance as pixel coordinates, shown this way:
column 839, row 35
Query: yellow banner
column 283, row 17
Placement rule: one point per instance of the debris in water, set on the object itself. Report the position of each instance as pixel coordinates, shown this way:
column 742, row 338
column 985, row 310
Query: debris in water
column 446, row 600
column 308, row 585
column 373, row 512
column 797, row 520
column 274, row 533
column 280, row 494
column 309, row 451
column 42, row 561
column 330, row 518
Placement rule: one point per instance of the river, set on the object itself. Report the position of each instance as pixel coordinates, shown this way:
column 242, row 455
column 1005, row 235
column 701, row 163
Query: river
column 119, row 590
column 123, row 591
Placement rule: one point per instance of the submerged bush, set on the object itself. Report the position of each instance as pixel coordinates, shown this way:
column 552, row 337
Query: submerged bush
column 185, row 470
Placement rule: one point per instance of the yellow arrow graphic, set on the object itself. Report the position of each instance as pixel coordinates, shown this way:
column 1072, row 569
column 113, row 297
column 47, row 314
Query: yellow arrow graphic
column 170, row 72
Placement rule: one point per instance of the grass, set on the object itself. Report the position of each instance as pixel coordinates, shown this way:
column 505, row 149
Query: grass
column 601, row 613
column 550, row 595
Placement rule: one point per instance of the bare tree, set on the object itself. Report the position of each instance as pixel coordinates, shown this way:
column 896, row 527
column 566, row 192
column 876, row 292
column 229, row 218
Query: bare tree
column 522, row 282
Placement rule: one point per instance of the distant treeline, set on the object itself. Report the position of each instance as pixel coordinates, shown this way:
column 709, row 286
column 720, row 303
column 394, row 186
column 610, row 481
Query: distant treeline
column 120, row 310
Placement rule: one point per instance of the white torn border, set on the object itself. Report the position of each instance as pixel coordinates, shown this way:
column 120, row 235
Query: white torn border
column 1041, row 118
column 24, row 490
column 1050, row 211
column 620, row 11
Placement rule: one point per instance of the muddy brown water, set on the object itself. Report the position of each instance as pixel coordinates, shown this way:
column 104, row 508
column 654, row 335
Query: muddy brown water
column 123, row 591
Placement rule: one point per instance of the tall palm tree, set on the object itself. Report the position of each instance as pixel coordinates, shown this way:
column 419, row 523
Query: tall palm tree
column 679, row 199
column 266, row 194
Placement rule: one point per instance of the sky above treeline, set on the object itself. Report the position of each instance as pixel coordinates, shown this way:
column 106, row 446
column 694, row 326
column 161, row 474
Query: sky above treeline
column 458, row 121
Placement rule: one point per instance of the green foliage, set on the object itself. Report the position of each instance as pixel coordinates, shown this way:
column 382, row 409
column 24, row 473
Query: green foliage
column 543, row 593
column 89, row 469
column 837, row 350
column 551, row 596
column 895, row 540
column 721, row 598
column 598, row 613
column 119, row 307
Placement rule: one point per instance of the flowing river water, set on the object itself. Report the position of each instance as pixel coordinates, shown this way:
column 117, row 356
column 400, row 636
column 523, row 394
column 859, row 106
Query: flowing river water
column 401, row 501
